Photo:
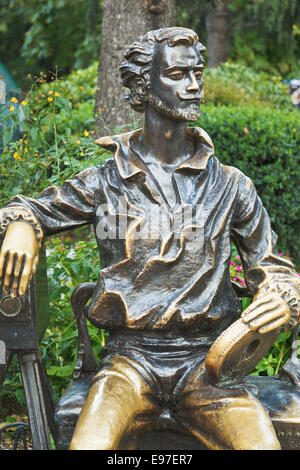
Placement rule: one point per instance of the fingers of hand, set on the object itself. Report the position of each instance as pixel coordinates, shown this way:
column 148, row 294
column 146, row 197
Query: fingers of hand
column 35, row 264
column 267, row 316
column 26, row 275
column 251, row 311
column 17, row 270
column 14, row 276
column 12, row 264
column 8, row 272
column 260, row 306
column 274, row 324
column 3, row 255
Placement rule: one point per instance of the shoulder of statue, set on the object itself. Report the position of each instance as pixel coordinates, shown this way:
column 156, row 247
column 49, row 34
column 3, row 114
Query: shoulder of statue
column 112, row 142
column 105, row 142
column 204, row 136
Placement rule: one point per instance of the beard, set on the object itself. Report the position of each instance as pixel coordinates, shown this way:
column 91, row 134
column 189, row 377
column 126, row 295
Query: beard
column 175, row 113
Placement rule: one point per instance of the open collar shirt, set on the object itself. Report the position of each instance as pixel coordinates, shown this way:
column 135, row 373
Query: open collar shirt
column 165, row 266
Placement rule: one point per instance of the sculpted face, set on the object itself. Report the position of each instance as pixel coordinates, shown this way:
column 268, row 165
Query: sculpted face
column 176, row 82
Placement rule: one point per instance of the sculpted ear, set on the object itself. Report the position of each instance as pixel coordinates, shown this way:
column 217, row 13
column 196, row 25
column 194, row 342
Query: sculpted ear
column 139, row 92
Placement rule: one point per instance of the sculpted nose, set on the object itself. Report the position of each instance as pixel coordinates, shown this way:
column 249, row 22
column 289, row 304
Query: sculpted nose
column 194, row 84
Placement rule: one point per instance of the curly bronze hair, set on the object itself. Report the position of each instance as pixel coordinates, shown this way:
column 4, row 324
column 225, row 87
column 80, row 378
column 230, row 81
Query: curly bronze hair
column 135, row 71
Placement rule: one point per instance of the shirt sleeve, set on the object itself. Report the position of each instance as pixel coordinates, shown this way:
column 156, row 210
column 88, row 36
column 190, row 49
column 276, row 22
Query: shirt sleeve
column 57, row 208
column 265, row 271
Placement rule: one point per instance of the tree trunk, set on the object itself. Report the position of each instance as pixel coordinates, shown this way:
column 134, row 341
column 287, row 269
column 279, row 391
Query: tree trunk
column 216, row 21
column 123, row 22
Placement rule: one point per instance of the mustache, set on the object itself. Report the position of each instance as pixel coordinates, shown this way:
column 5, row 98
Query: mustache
column 191, row 96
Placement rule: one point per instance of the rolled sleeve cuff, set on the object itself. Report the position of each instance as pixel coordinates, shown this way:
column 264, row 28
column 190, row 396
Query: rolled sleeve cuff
column 289, row 293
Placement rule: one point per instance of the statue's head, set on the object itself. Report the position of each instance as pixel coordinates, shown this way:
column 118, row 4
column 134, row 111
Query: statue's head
column 164, row 69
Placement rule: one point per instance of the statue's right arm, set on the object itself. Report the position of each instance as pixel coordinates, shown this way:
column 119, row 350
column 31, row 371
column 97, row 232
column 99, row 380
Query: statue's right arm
column 19, row 257
column 24, row 222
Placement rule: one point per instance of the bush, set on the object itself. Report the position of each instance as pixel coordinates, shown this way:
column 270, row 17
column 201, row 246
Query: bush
column 70, row 262
column 236, row 84
column 56, row 139
column 264, row 144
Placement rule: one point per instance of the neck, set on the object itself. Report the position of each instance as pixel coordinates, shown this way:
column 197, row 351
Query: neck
column 163, row 138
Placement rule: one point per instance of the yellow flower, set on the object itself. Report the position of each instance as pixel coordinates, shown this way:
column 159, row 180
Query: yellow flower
column 50, row 92
column 17, row 156
column 56, row 94
column 24, row 103
column 85, row 133
column 14, row 100
column 26, row 149
column 50, row 99
column 78, row 141
column 11, row 108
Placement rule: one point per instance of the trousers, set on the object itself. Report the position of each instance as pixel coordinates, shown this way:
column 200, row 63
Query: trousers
column 140, row 380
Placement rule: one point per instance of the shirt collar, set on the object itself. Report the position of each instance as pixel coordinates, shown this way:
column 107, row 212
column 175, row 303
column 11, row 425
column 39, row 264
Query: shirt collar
column 129, row 164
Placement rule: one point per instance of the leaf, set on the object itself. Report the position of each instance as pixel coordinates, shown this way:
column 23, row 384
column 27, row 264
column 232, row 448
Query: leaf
column 65, row 371
column 34, row 135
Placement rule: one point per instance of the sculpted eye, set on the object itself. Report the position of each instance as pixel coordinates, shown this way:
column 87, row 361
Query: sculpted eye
column 198, row 75
column 176, row 75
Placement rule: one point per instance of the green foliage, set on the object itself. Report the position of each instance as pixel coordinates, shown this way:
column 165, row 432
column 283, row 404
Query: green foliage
column 70, row 262
column 272, row 363
column 42, row 35
column 264, row 144
column 281, row 15
column 263, row 34
column 57, row 125
column 12, row 399
column 236, row 84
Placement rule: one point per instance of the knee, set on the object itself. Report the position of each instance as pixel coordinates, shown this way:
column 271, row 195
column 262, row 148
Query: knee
column 97, row 443
column 266, row 440
column 271, row 443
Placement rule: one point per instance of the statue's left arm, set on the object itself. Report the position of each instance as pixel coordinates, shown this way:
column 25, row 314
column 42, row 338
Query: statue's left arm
column 272, row 280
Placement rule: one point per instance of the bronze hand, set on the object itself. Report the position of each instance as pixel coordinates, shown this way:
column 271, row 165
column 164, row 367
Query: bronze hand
column 19, row 257
column 266, row 313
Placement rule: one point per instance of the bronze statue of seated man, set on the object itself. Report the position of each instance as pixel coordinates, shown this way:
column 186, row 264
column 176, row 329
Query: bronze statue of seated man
column 165, row 211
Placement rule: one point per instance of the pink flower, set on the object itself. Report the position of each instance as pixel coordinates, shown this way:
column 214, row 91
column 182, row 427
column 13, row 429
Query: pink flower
column 239, row 268
column 238, row 257
column 232, row 263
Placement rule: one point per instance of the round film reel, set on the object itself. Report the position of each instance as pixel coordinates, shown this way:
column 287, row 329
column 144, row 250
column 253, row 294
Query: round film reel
column 237, row 351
